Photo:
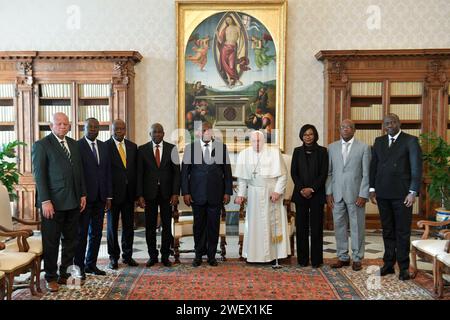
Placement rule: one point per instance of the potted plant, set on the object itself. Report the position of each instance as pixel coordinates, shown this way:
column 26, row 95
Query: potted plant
column 9, row 172
column 436, row 155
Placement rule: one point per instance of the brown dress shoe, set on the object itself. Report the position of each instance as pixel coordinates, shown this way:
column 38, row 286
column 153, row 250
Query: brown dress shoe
column 52, row 286
column 340, row 264
column 356, row 265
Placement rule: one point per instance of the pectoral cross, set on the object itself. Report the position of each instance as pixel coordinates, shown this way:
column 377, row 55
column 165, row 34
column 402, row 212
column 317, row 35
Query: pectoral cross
column 254, row 173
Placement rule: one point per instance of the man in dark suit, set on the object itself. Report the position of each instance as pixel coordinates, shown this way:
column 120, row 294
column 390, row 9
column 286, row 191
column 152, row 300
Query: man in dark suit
column 206, row 184
column 123, row 154
column 395, row 178
column 158, row 185
column 97, row 174
column 60, row 195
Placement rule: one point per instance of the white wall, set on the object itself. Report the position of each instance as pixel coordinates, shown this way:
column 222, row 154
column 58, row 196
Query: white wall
column 148, row 26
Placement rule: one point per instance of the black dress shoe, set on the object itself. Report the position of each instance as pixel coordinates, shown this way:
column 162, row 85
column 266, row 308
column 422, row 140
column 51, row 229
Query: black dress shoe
column 213, row 263
column 196, row 262
column 131, row 262
column 95, row 270
column 151, row 262
column 166, row 262
column 113, row 265
column 385, row 270
column 404, row 275
column 315, row 266
column 83, row 275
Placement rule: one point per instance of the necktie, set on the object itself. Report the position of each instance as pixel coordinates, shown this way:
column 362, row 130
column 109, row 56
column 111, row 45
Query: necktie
column 94, row 152
column 157, row 156
column 66, row 151
column 392, row 142
column 345, row 154
column 122, row 154
column 207, row 155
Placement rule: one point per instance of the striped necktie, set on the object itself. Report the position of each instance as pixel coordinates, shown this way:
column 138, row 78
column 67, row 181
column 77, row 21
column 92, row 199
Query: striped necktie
column 66, row 151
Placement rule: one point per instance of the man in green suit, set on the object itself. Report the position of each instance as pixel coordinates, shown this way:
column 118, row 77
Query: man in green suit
column 60, row 195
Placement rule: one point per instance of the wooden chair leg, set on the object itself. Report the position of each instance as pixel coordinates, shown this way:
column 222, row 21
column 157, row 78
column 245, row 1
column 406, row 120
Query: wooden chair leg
column 413, row 262
column 440, row 280
column 10, row 286
column 176, row 249
column 292, row 246
column 32, row 278
column 435, row 281
column 241, row 243
column 2, row 289
column 38, row 274
column 223, row 250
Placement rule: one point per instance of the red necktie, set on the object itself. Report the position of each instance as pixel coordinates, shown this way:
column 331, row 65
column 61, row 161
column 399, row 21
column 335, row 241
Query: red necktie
column 157, row 157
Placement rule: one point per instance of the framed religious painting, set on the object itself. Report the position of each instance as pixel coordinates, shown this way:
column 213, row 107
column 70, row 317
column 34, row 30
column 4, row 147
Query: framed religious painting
column 231, row 69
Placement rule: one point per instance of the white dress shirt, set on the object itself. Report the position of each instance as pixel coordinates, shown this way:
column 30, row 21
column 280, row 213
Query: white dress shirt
column 350, row 143
column 202, row 143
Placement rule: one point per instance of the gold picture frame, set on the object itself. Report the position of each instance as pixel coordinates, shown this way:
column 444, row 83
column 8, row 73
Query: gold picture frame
column 231, row 69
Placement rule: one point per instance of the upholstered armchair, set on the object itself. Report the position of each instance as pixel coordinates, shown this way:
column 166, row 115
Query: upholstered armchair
column 183, row 226
column 428, row 249
column 2, row 278
column 443, row 264
column 34, row 243
column 13, row 264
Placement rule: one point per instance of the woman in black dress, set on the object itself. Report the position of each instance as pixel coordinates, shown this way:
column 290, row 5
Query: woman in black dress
column 309, row 171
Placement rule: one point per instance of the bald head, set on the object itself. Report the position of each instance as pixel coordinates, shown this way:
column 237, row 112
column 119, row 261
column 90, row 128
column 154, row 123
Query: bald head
column 157, row 133
column 347, row 129
column 119, row 129
column 391, row 123
column 59, row 124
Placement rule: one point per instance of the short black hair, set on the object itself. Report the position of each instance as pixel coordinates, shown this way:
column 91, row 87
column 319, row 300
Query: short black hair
column 305, row 128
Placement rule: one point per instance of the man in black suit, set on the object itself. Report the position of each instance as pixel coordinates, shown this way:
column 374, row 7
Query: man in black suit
column 60, row 195
column 206, row 184
column 158, row 185
column 97, row 174
column 123, row 154
column 395, row 178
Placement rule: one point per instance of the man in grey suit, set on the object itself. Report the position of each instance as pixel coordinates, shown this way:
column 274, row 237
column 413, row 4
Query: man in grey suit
column 347, row 189
column 60, row 195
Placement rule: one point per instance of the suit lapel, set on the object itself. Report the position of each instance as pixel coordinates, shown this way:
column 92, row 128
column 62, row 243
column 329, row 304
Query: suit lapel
column 351, row 152
column 151, row 154
column 115, row 153
column 128, row 152
column 165, row 153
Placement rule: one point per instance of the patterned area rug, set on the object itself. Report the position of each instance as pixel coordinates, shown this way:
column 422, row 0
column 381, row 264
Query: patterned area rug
column 237, row 280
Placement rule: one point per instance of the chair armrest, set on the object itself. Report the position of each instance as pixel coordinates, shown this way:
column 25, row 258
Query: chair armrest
column 27, row 231
column 175, row 214
column 287, row 203
column 242, row 212
column 27, row 222
column 21, row 237
column 2, row 246
column 427, row 224
column 223, row 214
column 446, row 234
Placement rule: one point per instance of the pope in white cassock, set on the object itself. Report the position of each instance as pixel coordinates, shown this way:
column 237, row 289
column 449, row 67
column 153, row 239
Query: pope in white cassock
column 262, row 178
